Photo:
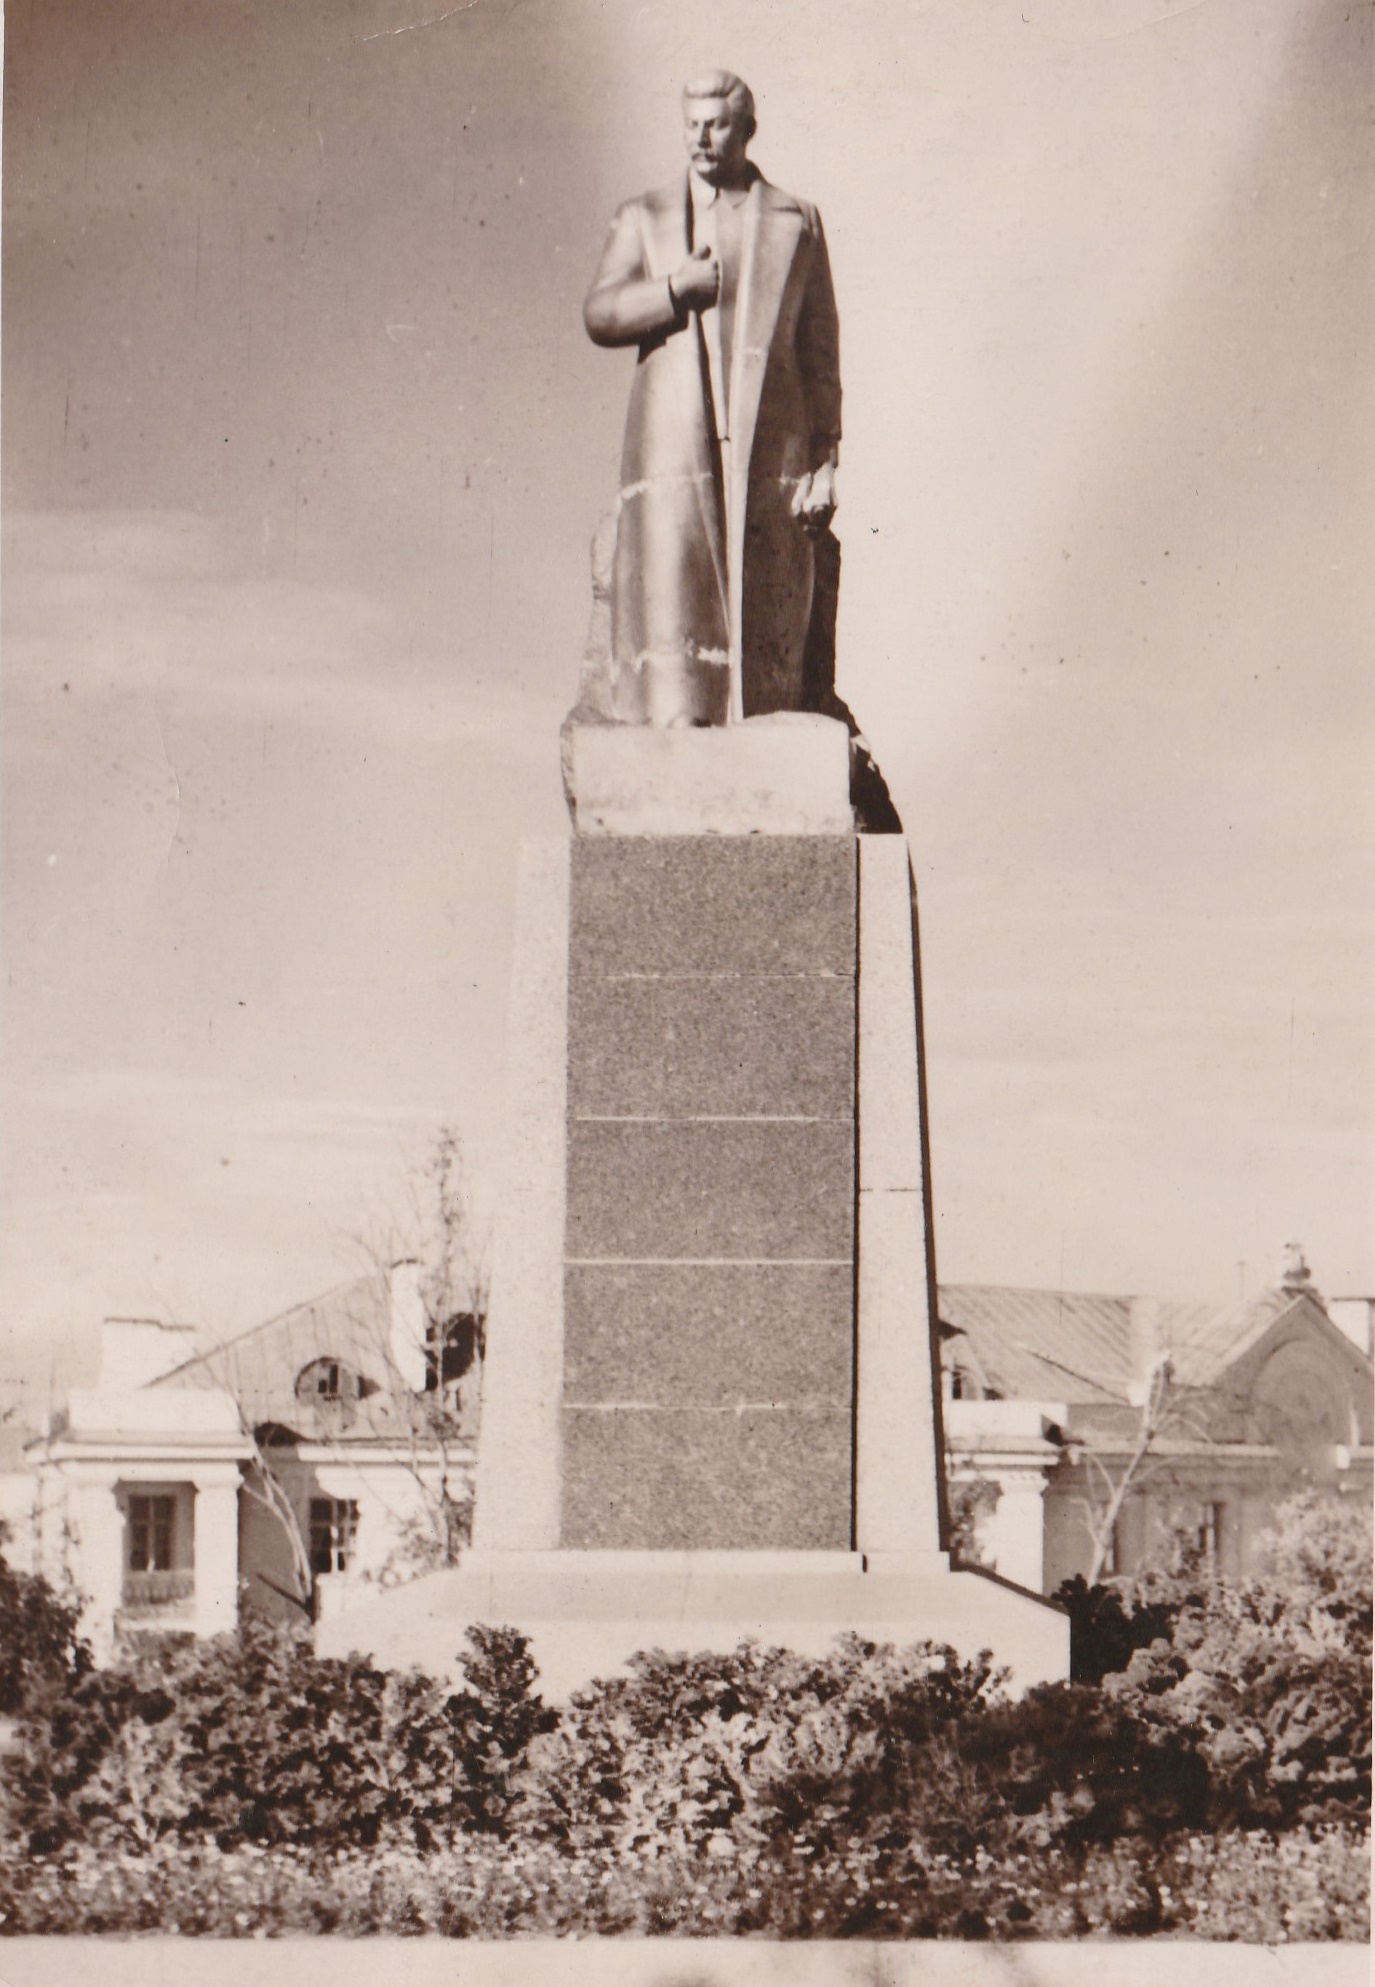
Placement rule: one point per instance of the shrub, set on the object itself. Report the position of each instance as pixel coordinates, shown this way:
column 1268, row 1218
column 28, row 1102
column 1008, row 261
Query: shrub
column 252, row 1738
column 1270, row 1678
column 764, row 1741
column 1106, row 1630
column 1282, row 1724
column 1318, row 1559
column 872, row 1791
column 41, row 1650
column 492, row 1721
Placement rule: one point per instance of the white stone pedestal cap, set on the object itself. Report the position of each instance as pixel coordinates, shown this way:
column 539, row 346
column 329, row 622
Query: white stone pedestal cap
column 784, row 774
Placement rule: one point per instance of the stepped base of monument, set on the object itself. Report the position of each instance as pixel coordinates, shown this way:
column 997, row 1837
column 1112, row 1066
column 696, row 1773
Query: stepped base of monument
column 588, row 1613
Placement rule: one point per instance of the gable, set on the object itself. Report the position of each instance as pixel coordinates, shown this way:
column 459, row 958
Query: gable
column 1305, row 1378
column 267, row 1370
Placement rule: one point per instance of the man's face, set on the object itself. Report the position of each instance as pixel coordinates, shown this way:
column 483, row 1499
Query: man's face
column 716, row 134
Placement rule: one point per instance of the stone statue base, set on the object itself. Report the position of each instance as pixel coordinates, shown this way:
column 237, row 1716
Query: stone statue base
column 786, row 774
column 711, row 1399
column 587, row 1612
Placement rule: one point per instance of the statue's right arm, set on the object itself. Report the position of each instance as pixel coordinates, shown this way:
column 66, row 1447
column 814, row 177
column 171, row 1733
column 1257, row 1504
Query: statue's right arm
column 625, row 304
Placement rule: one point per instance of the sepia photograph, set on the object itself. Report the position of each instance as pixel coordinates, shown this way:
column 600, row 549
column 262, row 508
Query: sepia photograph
column 687, row 930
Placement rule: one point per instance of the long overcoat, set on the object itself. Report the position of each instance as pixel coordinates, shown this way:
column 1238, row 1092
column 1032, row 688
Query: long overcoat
column 693, row 600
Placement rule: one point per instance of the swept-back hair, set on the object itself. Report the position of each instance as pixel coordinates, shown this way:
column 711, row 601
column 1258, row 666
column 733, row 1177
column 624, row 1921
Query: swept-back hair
column 723, row 83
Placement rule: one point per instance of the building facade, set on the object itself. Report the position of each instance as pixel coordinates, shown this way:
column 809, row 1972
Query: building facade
column 329, row 1448
column 1085, row 1434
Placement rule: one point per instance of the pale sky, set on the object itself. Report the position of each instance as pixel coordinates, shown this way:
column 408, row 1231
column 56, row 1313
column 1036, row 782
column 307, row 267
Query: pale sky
column 303, row 448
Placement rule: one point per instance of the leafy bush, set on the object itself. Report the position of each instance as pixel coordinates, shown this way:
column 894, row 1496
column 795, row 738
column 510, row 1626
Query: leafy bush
column 760, row 1742
column 1270, row 1678
column 1218, row 1785
column 253, row 1739
column 40, row 1648
column 1318, row 1561
column 1279, row 1715
column 492, row 1721
column 1106, row 1630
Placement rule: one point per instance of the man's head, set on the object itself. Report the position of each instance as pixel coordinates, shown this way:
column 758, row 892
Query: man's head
column 718, row 123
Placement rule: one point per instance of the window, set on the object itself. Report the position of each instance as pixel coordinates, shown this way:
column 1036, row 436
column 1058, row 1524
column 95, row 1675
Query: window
column 1212, row 1531
column 333, row 1529
column 152, row 1522
column 327, row 1379
column 450, row 1350
column 331, row 1389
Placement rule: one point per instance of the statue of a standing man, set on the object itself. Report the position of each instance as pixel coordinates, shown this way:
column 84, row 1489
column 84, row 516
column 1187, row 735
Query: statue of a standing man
column 733, row 431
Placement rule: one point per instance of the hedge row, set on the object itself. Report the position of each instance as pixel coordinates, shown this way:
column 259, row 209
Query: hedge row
column 1219, row 1782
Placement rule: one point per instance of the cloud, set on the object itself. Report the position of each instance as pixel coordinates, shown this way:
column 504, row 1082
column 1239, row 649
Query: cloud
column 258, row 870
column 106, row 606
column 205, row 1199
column 1103, row 614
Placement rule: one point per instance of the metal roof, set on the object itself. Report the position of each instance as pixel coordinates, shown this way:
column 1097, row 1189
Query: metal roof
column 1041, row 1344
column 260, row 1368
column 1066, row 1346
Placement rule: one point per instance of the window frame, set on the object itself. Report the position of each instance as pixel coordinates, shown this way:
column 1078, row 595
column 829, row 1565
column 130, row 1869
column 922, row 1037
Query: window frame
column 152, row 1532
column 332, row 1526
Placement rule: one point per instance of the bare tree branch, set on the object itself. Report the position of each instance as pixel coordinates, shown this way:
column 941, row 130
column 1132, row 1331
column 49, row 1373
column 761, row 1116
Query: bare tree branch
column 1162, row 1406
column 268, row 1491
column 438, row 1234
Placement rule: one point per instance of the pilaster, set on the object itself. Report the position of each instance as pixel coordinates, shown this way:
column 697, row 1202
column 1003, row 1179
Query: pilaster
column 216, row 1517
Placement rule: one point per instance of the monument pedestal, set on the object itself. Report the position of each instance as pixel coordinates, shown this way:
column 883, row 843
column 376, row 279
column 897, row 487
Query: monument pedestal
column 711, row 1403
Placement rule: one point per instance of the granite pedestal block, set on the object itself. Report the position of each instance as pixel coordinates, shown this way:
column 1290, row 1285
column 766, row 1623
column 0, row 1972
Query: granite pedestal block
column 711, row 1400
column 711, row 1161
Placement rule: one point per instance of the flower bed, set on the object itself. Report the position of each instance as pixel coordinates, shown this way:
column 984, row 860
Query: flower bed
column 1253, row 1887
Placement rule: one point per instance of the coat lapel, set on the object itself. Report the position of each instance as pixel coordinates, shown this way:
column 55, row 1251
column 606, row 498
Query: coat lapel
column 669, row 213
column 773, row 228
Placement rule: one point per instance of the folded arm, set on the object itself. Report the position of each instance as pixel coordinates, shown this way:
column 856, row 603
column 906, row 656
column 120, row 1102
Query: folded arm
column 625, row 304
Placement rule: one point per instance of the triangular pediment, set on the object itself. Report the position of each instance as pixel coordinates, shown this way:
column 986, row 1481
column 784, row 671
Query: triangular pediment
column 1295, row 1362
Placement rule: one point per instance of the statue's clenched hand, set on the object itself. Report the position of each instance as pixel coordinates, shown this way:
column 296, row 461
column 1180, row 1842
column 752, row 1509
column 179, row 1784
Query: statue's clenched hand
column 814, row 500
column 697, row 283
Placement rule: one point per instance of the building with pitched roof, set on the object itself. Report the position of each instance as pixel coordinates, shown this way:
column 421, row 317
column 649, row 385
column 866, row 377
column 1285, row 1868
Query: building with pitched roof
column 1084, row 1429
column 366, row 1424
column 330, row 1447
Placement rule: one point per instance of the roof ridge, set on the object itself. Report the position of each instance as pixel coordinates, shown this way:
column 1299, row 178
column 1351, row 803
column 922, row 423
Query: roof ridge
column 1045, row 1290
column 1268, row 1293
column 278, row 1318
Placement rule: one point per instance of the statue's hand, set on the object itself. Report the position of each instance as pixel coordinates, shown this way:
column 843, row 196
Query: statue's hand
column 815, row 499
column 697, row 284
